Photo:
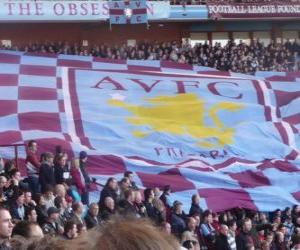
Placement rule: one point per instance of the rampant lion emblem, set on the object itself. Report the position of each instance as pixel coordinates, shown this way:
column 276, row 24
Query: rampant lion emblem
column 182, row 114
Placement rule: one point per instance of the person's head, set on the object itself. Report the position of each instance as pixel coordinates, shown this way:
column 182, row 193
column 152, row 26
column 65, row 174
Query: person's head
column 28, row 230
column 125, row 183
column 8, row 167
column 247, row 225
column 83, row 156
column 129, row 175
column 148, row 194
column 157, row 192
column 53, row 214
column 48, row 192
column 277, row 220
column 15, row 174
column 3, row 181
column 49, row 157
column 70, row 229
column 112, row 183
column 109, row 203
column 20, row 198
column 191, row 224
column 28, row 196
column 94, row 209
column 265, row 245
column 279, row 237
column 6, row 224
column 166, row 227
column 134, row 234
column 269, row 237
column 129, row 195
column 207, row 216
column 30, row 214
column 195, row 199
column 77, row 208
column 60, row 202
column 177, row 207
column 32, row 146
column 224, row 229
column 60, row 190
column 232, row 225
column 61, row 160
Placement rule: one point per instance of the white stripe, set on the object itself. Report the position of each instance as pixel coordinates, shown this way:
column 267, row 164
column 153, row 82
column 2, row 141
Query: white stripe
column 290, row 133
column 267, row 99
column 68, row 106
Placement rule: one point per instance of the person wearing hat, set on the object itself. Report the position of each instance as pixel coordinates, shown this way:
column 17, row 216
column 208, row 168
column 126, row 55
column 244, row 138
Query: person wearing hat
column 83, row 156
column 51, row 226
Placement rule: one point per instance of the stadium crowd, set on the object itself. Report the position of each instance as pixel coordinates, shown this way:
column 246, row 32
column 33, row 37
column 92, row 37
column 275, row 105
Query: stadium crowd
column 241, row 58
column 50, row 209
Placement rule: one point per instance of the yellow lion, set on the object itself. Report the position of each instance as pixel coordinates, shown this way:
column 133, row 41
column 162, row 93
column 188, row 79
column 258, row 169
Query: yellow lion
column 183, row 114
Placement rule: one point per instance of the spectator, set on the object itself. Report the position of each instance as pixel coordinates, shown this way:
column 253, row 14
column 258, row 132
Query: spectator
column 47, row 172
column 108, row 209
column 232, row 234
column 41, row 209
column 127, row 207
column 6, row 226
column 77, row 208
column 195, row 206
column 190, row 233
column 134, row 235
column 48, row 196
column 208, row 231
column 83, row 157
column 152, row 212
column 28, row 230
column 60, row 169
column 129, row 175
column 92, row 218
column 177, row 219
column 165, row 196
column 77, row 177
column 70, row 230
column 28, row 201
column 123, row 186
column 51, row 226
column 18, row 208
column 61, row 204
column 33, row 166
column 31, row 214
column 139, row 205
column 109, row 190
column 222, row 242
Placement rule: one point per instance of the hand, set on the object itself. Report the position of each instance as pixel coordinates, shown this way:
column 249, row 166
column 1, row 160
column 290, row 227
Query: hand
column 60, row 230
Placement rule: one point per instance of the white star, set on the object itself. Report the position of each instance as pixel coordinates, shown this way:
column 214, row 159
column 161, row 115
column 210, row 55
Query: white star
column 117, row 97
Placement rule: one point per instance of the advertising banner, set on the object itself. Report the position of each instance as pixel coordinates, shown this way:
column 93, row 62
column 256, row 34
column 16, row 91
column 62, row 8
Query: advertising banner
column 69, row 10
column 254, row 10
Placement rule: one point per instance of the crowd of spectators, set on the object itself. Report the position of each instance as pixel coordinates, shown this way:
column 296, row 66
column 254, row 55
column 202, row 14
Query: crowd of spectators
column 241, row 58
column 51, row 204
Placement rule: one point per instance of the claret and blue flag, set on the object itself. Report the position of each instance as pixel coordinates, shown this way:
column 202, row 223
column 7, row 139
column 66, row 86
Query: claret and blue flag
column 232, row 138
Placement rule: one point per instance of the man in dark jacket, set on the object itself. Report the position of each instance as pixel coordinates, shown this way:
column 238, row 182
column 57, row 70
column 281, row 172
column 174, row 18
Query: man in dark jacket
column 82, row 164
column 127, row 207
column 92, row 217
column 222, row 240
column 195, row 207
column 248, row 236
column 47, row 172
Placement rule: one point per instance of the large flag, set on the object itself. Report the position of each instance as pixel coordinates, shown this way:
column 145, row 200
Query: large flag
column 232, row 138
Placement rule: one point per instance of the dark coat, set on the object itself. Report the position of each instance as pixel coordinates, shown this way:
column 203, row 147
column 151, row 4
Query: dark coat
column 222, row 242
column 46, row 176
column 195, row 209
column 90, row 221
column 107, row 192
